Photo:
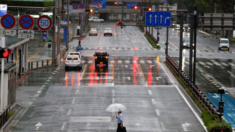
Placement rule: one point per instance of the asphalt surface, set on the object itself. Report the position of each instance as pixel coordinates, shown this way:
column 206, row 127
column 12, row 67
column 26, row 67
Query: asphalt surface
column 53, row 99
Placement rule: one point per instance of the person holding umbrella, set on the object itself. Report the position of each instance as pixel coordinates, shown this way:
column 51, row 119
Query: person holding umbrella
column 119, row 121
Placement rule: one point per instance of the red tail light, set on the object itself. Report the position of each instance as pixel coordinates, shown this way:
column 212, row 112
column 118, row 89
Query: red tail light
column 66, row 59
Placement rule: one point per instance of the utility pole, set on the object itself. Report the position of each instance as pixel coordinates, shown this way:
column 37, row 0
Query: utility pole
column 191, row 49
column 2, row 77
column 181, row 42
column 67, row 39
column 53, row 37
column 195, row 44
column 58, row 30
column 167, row 30
column 122, row 10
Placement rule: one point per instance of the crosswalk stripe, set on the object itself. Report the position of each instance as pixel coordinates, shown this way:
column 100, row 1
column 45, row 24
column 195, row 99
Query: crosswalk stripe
column 224, row 64
column 149, row 61
column 119, row 61
column 127, row 61
column 90, row 61
column 112, row 61
column 141, row 61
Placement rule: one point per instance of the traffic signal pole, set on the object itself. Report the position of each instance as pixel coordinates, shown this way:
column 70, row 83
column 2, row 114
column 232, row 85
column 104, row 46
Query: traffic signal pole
column 2, row 76
column 67, row 39
column 167, row 34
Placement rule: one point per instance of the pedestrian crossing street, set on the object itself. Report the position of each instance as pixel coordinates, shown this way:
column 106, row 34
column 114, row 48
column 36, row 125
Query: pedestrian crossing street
column 153, row 49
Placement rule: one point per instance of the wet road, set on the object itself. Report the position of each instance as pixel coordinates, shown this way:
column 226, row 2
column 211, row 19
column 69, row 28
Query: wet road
column 53, row 99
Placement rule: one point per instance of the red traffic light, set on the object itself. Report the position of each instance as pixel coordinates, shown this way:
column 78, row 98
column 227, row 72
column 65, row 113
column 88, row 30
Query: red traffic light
column 115, row 3
column 135, row 7
column 150, row 9
column 4, row 53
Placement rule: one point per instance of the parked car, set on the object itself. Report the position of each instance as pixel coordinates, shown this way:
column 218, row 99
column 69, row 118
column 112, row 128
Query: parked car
column 93, row 31
column 95, row 19
column 101, row 59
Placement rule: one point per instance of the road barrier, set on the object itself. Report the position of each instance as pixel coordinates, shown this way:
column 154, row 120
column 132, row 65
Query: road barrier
column 151, row 36
column 4, row 116
column 197, row 92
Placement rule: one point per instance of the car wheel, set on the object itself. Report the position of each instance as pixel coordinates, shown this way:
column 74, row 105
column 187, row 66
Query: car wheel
column 111, row 34
column 218, row 48
column 66, row 68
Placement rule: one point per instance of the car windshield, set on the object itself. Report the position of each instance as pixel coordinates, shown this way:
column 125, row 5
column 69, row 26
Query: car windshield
column 223, row 41
column 107, row 28
column 101, row 54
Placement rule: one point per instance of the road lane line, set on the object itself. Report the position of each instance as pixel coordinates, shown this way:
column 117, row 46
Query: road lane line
column 186, row 101
column 211, row 47
column 157, row 112
column 73, row 101
column 163, row 127
column 69, row 112
column 63, row 126
column 77, row 92
column 83, row 73
column 141, row 72
column 153, row 101
column 174, row 45
column 113, row 72
column 150, row 92
column 36, row 53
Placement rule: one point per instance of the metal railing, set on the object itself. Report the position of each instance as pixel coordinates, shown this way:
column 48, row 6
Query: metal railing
column 4, row 117
column 39, row 64
column 151, row 36
column 197, row 92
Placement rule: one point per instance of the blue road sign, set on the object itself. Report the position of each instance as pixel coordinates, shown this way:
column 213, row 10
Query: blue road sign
column 158, row 19
column 26, row 22
column 101, row 4
column 8, row 21
column 229, row 106
column 75, row 6
column 81, row 5
column 131, row 4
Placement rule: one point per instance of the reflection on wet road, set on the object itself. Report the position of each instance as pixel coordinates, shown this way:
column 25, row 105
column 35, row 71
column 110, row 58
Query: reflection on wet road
column 121, row 71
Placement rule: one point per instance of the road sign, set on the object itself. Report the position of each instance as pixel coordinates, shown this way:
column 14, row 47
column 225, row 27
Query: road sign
column 75, row 6
column 44, row 23
column 8, row 32
column 26, row 22
column 158, row 19
column 131, row 4
column 26, row 34
column 79, row 11
column 153, row 8
column 8, row 21
column 101, row 4
column 81, row 5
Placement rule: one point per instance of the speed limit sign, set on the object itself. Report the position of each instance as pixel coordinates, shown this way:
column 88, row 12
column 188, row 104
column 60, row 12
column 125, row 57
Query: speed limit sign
column 44, row 23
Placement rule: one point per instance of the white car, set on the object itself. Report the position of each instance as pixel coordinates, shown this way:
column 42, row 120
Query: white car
column 108, row 31
column 186, row 43
column 95, row 19
column 224, row 44
column 73, row 60
column 93, row 31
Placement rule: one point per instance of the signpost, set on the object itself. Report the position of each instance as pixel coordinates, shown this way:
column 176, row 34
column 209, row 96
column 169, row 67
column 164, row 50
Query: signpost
column 26, row 22
column 8, row 21
column 44, row 23
column 158, row 19
column 75, row 6
column 26, row 34
column 8, row 32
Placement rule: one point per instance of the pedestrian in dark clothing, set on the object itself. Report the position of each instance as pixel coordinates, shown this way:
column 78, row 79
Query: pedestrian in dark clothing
column 119, row 121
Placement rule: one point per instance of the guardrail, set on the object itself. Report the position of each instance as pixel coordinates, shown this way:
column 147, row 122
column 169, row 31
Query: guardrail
column 39, row 64
column 197, row 92
column 4, row 116
column 151, row 36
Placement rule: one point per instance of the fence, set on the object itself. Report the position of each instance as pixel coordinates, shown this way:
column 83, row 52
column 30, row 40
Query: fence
column 197, row 92
column 39, row 64
column 4, row 117
column 151, row 36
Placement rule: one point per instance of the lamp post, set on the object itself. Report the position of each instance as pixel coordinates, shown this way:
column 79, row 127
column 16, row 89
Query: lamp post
column 221, row 103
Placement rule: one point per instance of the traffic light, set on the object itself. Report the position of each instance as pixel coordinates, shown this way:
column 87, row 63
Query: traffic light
column 91, row 10
column 4, row 53
column 135, row 7
column 150, row 9
column 115, row 3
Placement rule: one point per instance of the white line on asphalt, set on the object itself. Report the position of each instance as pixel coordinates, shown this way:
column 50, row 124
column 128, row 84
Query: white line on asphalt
column 112, row 61
column 77, row 92
column 69, row 112
column 119, row 61
column 63, row 126
column 150, row 92
column 53, row 73
column 48, row 80
column 141, row 61
column 36, row 95
column 126, row 66
column 90, row 61
column 30, row 103
column 134, row 61
column 158, row 78
column 149, row 61
column 73, row 101
column 163, row 127
column 186, row 101
column 157, row 112
column 39, row 92
column 127, row 61
column 83, row 61
column 153, row 101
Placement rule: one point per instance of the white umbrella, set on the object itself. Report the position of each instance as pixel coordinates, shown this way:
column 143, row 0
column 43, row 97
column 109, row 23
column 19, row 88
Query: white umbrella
column 115, row 107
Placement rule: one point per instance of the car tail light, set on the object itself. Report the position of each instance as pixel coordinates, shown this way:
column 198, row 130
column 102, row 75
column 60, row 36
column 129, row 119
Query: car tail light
column 66, row 59
column 104, row 32
column 89, row 31
column 95, row 57
column 106, row 57
column 122, row 22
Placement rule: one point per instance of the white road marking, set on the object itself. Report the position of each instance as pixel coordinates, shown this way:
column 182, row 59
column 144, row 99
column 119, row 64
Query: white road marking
column 141, row 61
column 63, row 126
column 149, row 61
column 38, row 125
column 69, row 112
column 30, row 103
column 150, row 92
column 153, row 101
column 127, row 61
column 185, row 126
column 129, row 78
column 151, row 66
column 83, row 61
column 90, row 61
column 73, row 101
column 163, row 127
column 39, row 92
column 158, row 78
column 77, row 92
column 119, row 61
column 36, row 95
column 157, row 112
column 81, row 74
column 112, row 61
column 186, row 101
column 48, row 80
column 126, row 66
column 224, row 64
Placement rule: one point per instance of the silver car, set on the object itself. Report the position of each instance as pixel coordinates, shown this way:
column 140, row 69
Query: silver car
column 186, row 42
column 93, row 31
column 73, row 61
